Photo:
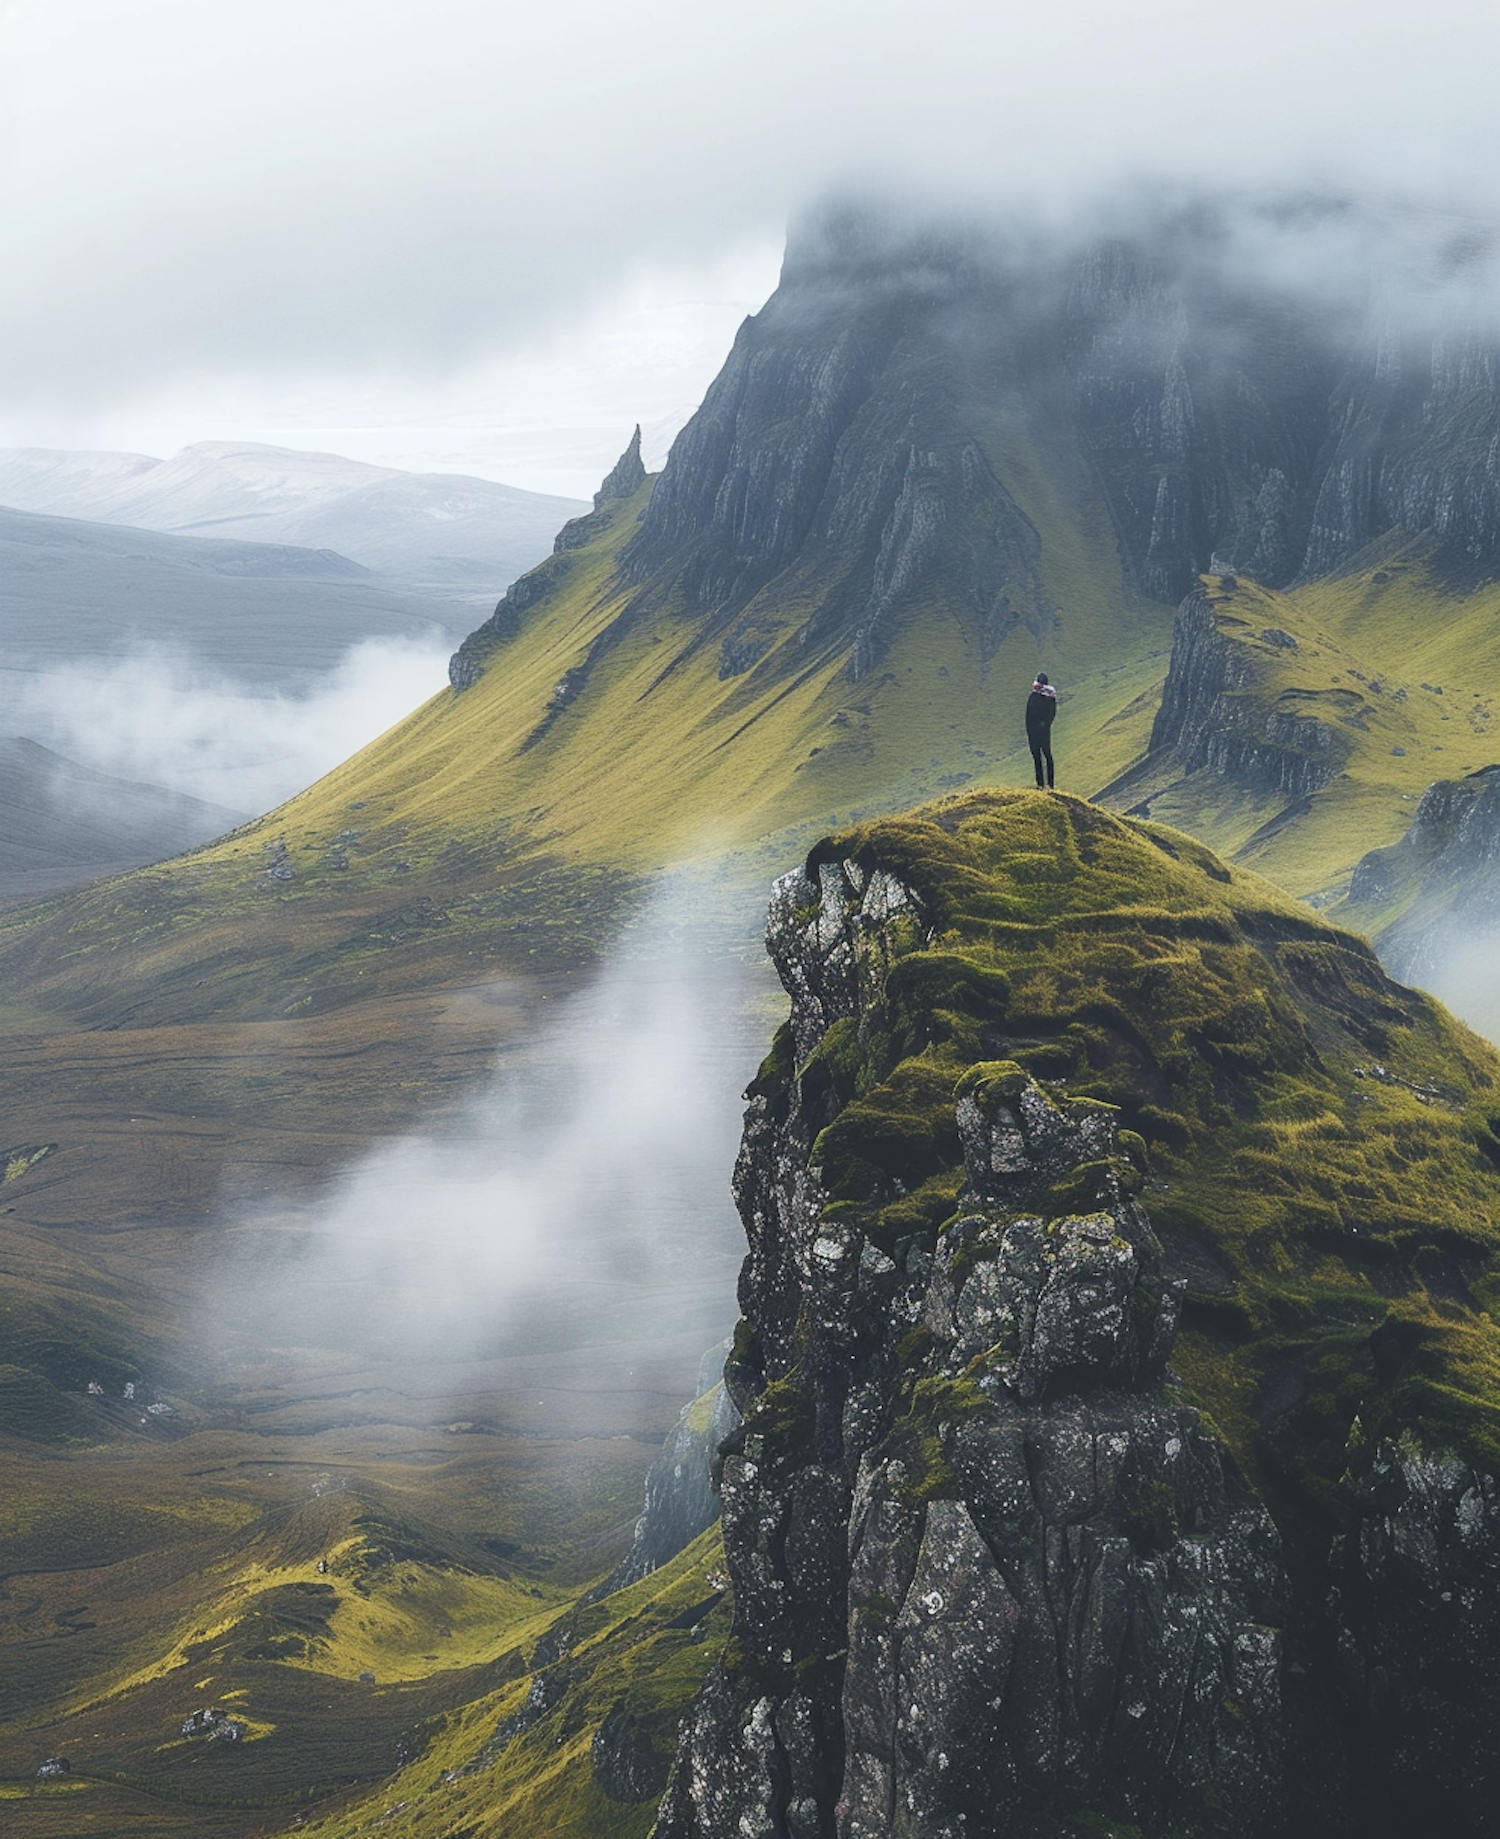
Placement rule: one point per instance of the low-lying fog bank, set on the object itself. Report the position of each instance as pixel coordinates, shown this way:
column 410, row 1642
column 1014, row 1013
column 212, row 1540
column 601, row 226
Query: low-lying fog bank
column 565, row 1242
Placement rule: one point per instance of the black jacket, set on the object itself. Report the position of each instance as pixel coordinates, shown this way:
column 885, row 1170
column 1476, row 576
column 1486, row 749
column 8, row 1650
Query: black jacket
column 1039, row 712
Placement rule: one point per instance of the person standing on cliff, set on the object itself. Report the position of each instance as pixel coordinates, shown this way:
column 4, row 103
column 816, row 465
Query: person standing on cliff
column 1041, row 706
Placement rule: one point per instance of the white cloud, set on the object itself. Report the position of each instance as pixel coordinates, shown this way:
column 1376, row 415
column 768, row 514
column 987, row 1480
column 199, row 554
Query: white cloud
column 408, row 190
column 1460, row 965
column 580, row 1199
column 162, row 718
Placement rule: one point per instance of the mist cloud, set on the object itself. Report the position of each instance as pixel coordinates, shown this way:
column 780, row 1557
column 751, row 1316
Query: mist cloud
column 198, row 190
column 1458, row 961
column 162, row 718
column 1466, row 977
column 580, row 1199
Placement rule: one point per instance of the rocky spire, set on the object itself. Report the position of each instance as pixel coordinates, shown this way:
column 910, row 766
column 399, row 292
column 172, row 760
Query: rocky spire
column 628, row 476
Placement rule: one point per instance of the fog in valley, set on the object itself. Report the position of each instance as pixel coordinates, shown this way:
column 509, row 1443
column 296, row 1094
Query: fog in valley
column 1464, row 972
column 279, row 611
column 570, row 1222
column 164, row 717
column 113, row 762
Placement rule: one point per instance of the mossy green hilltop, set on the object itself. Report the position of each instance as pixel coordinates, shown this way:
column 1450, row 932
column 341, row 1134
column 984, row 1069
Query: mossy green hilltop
column 1318, row 1147
column 1012, row 1539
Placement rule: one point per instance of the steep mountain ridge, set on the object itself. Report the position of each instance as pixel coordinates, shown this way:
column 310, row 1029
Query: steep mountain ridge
column 847, row 452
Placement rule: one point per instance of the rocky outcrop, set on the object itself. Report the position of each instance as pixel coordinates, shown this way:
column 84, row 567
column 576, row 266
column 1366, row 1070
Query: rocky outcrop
column 1212, row 718
column 625, row 1763
column 626, row 477
column 995, row 1568
column 624, row 480
column 990, row 1573
column 1438, row 889
column 680, row 1499
column 1417, row 1616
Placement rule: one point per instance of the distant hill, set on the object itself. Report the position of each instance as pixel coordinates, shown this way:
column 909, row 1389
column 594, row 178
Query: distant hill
column 62, row 824
column 267, row 613
column 444, row 531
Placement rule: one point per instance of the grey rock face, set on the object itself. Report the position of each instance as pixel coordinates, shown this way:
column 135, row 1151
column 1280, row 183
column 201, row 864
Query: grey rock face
column 1027, row 1649
column 625, row 1764
column 849, row 441
column 1210, row 723
column 1418, row 1622
column 680, row 1499
column 837, row 440
column 1418, row 448
column 626, row 477
column 992, row 1574
column 1444, row 875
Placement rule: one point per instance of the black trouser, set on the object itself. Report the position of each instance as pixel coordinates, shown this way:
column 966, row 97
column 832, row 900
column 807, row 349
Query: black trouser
column 1040, row 740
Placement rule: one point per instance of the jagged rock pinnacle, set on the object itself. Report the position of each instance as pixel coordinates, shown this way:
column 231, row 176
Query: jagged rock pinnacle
column 628, row 476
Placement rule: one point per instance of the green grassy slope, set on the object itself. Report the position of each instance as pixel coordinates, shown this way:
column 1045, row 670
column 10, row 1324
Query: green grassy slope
column 658, row 755
column 1404, row 670
column 479, row 827
column 496, row 1768
column 265, row 1575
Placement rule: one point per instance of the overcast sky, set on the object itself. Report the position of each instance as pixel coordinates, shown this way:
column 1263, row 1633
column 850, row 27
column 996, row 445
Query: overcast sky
column 416, row 230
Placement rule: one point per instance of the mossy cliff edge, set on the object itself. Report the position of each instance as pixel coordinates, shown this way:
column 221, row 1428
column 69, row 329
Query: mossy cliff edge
column 1120, row 1382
